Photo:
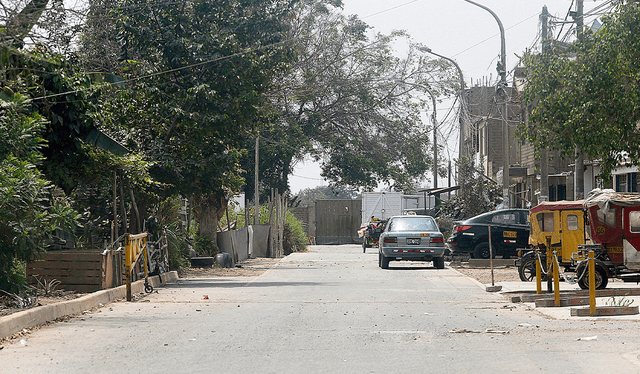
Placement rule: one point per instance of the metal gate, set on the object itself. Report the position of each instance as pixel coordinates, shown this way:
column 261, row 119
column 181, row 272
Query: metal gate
column 337, row 221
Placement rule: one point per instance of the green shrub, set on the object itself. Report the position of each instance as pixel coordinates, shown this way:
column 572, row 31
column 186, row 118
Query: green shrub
column 29, row 209
column 295, row 239
column 204, row 247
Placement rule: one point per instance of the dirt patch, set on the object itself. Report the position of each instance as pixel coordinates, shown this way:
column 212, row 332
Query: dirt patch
column 483, row 275
column 9, row 305
column 252, row 267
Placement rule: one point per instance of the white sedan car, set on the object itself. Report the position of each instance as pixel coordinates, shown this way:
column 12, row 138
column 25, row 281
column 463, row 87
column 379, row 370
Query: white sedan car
column 411, row 238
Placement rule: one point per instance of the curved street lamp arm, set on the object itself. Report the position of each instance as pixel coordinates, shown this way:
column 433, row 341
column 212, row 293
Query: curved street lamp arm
column 503, row 58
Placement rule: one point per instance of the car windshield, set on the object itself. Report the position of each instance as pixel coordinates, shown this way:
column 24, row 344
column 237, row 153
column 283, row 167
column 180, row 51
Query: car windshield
column 412, row 224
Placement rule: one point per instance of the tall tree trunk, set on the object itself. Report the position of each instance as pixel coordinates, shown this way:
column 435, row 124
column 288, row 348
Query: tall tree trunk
column 207, row 211
column 136, row 222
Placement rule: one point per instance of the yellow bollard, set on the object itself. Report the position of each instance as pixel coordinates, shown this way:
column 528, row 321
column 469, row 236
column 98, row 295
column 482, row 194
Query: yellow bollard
column 127, row 265
column 538, row 273
column 556, row 278
column 592, row 283
column 549, row 266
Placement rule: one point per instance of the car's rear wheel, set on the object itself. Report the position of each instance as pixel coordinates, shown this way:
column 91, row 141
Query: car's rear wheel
column 438, row 262
column 384, row 261
column 482, row 251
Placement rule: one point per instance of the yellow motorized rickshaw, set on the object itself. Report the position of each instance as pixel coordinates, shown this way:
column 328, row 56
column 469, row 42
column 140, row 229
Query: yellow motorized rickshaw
column 560, row 225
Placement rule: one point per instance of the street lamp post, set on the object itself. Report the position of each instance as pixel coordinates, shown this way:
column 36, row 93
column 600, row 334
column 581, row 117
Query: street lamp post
column 502, row 71
column 460, row 94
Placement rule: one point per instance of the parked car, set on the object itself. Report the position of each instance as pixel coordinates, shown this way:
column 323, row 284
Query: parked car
column 411, row 238
column 509, row 232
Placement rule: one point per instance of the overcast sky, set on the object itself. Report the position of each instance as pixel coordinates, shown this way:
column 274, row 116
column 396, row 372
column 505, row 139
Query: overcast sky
column 463, row 32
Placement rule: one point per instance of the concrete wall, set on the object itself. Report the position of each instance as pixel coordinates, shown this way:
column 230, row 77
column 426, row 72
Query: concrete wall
column 248, row 242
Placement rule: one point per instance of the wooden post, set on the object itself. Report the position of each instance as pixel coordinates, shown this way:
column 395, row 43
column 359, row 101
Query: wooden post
column 114, row 225
column 277, row 223
column 138, row 222
column 491, row 256
column 246, row 211
column 272, row 231
column 122, row 208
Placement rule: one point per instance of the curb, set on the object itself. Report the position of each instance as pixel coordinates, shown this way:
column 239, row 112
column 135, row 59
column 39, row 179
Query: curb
column 485, row 263
column 605, row 311
column 564, row 301
column 16, row 322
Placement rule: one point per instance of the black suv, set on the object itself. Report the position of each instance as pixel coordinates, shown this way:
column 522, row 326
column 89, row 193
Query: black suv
column 509, row 232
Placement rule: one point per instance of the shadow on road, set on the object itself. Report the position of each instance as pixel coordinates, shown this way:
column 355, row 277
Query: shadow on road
column 224, row 283
column 425, row 267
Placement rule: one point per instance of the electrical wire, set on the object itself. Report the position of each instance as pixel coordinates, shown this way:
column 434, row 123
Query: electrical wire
column 300, row 176
column 251, row 50
column 390, row 9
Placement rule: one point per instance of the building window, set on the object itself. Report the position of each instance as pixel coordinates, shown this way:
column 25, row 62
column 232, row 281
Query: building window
column 632, row 182
column 557, row 192
column 621, row 183
column 627, row 182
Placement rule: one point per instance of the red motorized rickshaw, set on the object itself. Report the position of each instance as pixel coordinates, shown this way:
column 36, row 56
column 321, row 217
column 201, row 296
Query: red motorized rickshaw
column 615, row 230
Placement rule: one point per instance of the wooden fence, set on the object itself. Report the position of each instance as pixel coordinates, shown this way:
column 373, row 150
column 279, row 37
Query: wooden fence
column 78, row 271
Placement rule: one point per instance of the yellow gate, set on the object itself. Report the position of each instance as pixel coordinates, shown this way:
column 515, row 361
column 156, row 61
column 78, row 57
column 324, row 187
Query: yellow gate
column 136, row 245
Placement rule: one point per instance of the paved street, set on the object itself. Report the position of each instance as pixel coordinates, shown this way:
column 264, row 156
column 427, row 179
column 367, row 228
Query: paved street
column 330, row 310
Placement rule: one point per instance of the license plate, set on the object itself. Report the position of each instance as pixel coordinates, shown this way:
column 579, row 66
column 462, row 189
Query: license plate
column 510, row 234
column 413, row 241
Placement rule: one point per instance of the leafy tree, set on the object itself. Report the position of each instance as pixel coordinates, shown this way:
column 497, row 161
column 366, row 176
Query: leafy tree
column 49, row 24
column 351, row 103
column 197, row 74
column 588, row 95
column 30, row 208
column 62, row 98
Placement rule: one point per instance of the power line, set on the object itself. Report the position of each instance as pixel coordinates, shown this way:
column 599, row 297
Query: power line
column 494, row 35
column 390, row 9
column 314, row 179
column 170, row 70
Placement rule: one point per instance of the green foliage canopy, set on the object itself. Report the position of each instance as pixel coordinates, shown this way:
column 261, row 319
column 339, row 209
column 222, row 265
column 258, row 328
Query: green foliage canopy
column 198, row 71
column 588, row 95
column 352, row 104
column 29, row 211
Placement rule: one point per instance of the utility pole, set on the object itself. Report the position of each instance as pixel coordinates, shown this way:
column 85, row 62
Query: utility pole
column 502, row 91
column 434, row 120
column 579, row 168
column 256, row 191
column 463, row 105
column 544, row 154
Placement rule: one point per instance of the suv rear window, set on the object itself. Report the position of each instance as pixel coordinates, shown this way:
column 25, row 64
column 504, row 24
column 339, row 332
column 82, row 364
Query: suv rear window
column 505, row 218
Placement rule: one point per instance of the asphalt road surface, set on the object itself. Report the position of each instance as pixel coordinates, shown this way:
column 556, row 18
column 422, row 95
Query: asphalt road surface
column 330, row 310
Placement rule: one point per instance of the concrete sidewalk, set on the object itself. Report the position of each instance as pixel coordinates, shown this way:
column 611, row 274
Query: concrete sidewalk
column 29, row 318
